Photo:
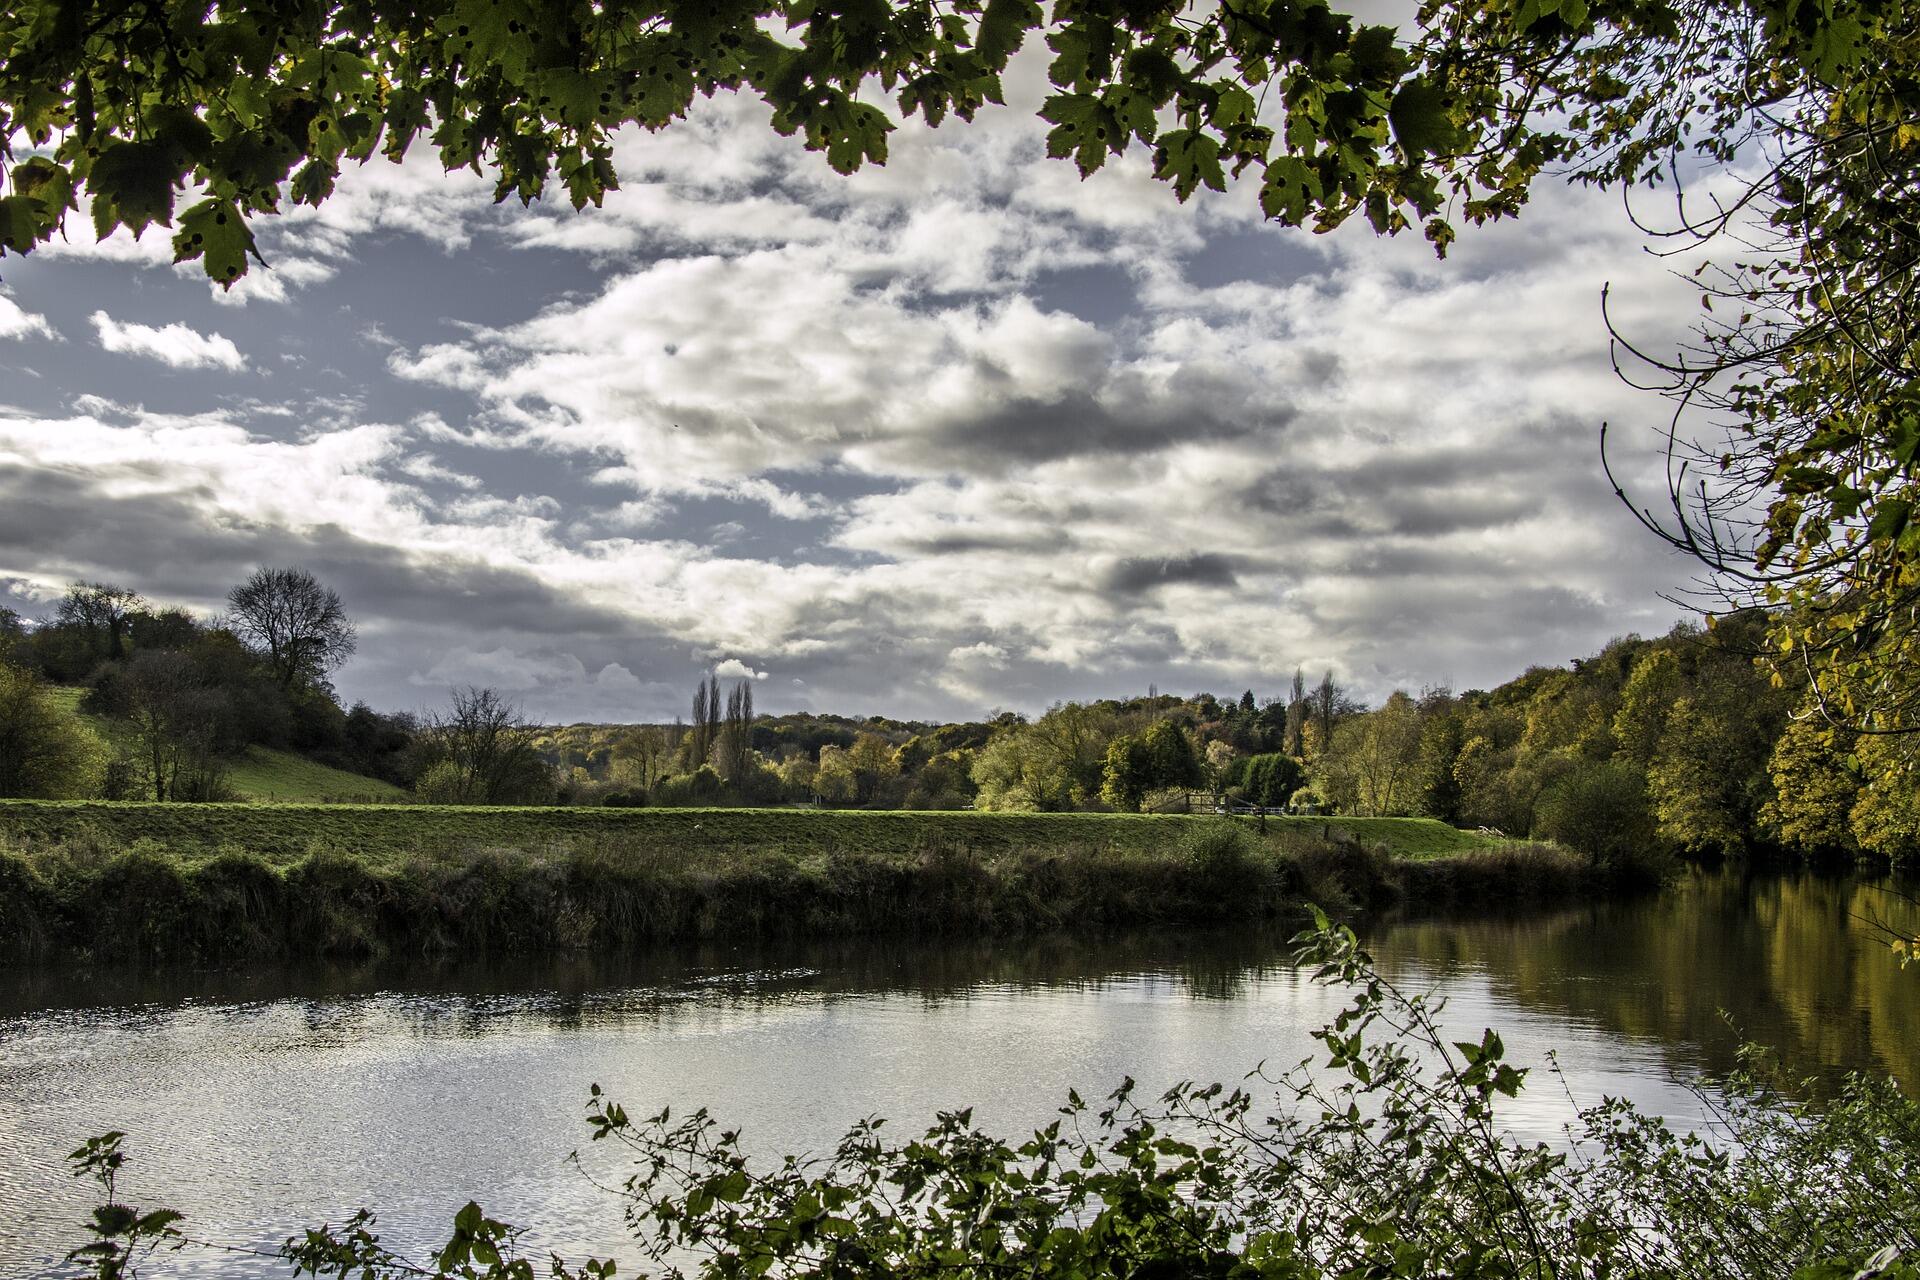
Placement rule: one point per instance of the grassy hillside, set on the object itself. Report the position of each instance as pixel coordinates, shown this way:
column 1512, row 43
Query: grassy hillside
column 282, row 777
column 264, row 774
column 385, row 832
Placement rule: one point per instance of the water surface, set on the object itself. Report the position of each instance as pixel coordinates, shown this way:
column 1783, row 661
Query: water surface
column 260, row 1103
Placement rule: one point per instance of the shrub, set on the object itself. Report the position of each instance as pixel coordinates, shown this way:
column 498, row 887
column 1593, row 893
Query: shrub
column 46, row 752
column 1601, row 810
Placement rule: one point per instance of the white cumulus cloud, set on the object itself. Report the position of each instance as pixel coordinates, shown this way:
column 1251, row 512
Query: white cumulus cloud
column 175, row 344
column 16, row 322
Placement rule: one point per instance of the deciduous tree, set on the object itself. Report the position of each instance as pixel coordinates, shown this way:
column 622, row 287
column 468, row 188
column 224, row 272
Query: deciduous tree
column 297, row 626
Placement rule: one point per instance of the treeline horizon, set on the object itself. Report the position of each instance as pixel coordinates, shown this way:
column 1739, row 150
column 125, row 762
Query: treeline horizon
column 1683, row 744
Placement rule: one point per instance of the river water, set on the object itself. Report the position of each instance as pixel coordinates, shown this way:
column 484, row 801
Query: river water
column 262, row 1103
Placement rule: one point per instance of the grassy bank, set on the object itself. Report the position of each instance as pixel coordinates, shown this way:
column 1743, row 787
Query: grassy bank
column 222, row 884
column 383, row 833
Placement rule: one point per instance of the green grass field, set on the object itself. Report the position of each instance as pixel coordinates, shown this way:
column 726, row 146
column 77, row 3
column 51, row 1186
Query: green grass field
column 281, row 777
column 384, row 832
column 263, row 774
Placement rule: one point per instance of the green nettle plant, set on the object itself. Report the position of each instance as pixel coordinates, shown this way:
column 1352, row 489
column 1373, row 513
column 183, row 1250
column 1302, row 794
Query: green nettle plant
column 1389, row 1159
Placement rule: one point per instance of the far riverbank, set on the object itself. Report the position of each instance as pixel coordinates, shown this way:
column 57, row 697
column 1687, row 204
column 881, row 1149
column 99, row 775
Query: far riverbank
column 226, row 884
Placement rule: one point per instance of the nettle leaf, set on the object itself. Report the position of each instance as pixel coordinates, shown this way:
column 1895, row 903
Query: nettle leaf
column 1419, row 118
column 1188, row 158
column 132, row 185
column 214, row 232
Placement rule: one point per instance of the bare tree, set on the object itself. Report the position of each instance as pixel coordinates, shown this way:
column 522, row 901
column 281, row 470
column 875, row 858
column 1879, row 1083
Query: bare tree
column 176, row 721
column 295, row 623
column 485, row 750
column 645, row 754
column 101, row 613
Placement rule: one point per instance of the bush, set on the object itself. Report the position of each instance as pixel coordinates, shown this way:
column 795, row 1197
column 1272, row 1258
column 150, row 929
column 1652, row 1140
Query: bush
column 1308, row 800
column 690, row 790
column 46, row 752
column 1601, row 810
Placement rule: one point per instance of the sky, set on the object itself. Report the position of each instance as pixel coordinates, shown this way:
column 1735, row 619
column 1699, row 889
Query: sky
column 959, row 434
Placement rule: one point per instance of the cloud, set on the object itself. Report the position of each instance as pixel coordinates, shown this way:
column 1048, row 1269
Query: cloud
column 174, row 344
column 18, row 323
column 734, row 669
column 960, row 433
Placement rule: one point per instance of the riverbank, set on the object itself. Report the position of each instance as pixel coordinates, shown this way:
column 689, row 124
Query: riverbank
column 227, row 884
column 387, row 833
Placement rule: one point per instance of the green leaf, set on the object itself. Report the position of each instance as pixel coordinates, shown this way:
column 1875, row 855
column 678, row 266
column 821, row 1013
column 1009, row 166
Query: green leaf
column 863, row 138
column 1188, row 158
column 214, row 231
column 1290, row 191
column 19, row 224
column 1889, row 519
column 132, row 186
column 1086, row 130
column 1419, row 119
column 1003, row 28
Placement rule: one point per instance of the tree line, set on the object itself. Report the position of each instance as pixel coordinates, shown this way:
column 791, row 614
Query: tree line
column 1687, row 743
column 113, row 697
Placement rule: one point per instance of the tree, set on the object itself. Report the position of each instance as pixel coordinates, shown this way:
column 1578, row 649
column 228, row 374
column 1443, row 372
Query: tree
column 1127, row 774
column 1371, row 767
column 1271, row 780
column 46, row 751
column 1437, row 789
column 1175, row 765
column 706, row 722
column 1296, row 744
column 643, row 756
column 299, row 627
column 1815, row 787
column 835, row 780
column 1599, row 808
column 872, row 760
column 734, row 743
column 175, row 722
column 484, row 752
column 100, row 615
column 1054, row 764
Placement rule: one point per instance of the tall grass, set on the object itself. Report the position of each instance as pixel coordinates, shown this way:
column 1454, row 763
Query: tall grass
column 92, row 896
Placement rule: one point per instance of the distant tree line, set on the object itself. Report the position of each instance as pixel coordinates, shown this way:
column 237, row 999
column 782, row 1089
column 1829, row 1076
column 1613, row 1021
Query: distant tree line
column 116, row 698
column 1682, row 744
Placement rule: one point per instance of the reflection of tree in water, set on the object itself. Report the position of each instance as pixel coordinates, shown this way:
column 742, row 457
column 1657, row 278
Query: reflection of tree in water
column 1787, row 957
column 467, row 997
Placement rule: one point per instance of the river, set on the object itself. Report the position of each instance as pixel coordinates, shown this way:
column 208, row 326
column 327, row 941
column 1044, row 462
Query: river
column 264, row 1102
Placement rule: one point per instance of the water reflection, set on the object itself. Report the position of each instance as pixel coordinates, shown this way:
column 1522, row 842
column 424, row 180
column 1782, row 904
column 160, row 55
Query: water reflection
column 265, row 1101
column 1788, row 961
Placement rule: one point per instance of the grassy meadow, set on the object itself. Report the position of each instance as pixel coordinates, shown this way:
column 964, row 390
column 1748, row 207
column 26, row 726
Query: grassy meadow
column 220, row 883
column 262, row 774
